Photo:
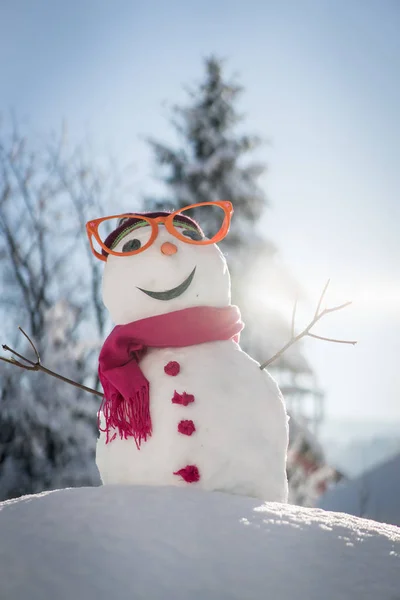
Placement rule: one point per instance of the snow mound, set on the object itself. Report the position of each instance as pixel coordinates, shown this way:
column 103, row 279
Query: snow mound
column 170, row 543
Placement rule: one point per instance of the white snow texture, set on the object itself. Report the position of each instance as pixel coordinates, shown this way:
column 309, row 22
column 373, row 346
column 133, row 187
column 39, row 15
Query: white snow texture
column 166, row 543
column 241, row 429
column 241, row 435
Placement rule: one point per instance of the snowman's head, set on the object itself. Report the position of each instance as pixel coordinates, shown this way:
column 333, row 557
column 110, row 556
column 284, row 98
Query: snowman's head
column 157, row 263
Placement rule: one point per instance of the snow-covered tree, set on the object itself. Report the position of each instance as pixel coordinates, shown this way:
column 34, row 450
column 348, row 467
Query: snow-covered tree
column 48, row 429
column 51, row 287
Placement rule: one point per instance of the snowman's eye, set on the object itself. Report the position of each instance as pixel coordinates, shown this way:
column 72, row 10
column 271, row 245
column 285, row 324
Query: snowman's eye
column 193, row 235
column 132, row 245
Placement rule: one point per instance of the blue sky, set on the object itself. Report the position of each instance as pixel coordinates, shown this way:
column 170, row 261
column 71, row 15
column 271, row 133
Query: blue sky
column 321, row 80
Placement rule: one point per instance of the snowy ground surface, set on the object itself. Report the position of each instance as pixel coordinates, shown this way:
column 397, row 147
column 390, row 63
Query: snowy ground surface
column 173, row 543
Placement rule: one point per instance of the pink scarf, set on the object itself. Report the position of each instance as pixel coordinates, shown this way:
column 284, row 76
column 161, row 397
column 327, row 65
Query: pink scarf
column 126, row 404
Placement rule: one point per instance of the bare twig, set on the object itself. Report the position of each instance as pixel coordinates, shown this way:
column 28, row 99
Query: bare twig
column 29, row 365
column 329, row 310
column 321, row 299
column 8, row 349
column 326, row 339
column 307, row 331
column 32, row 344
column 293, row 318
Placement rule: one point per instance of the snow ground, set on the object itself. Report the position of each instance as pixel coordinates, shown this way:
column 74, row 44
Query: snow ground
column 171, row 543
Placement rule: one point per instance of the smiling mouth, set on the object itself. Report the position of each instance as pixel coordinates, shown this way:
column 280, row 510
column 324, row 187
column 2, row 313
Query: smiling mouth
column 174, row 292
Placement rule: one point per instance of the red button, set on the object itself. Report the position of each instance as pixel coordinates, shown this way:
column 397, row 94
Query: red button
column 183, row 398
column 172, row 368
column 190, row 474
column 186, row 427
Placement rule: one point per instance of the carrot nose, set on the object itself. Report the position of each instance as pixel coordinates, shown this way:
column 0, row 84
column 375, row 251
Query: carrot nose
column 168, row 248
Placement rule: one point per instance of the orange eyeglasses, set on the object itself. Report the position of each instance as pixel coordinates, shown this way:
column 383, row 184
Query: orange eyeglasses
column 185, row 231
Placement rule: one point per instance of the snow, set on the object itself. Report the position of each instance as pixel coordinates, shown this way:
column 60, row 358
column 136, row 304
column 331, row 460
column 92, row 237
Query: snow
column 374, row 495
column 266, row 333
column 171, row 544
column 241, row 436
column 241, row 433
column 152, row 270
column 48, row 428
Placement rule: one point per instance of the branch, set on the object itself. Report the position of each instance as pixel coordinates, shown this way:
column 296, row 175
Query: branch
column 307, row 331
column 293, row 318
column 29, row 365
column 79, row 205
column 23, row 178
column 321, row 299
column 326, row 339
column 19, row 264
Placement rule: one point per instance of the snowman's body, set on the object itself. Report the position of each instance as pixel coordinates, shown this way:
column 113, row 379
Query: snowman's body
column 238, row 433
column 239, row 422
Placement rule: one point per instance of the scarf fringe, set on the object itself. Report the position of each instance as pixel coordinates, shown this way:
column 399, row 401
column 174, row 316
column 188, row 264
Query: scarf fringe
column 129, row 417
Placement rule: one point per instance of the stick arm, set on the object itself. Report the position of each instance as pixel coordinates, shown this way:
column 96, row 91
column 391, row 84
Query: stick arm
column 29, row 365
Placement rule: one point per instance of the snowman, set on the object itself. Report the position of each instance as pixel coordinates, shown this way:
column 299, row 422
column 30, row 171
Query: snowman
column 183, row 404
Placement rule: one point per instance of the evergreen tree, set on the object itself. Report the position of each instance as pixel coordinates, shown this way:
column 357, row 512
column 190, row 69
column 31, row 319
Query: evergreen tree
column 213, row 162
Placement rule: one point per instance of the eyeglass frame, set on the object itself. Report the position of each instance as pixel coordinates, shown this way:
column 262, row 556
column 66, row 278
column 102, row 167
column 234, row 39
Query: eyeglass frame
column 93, row 225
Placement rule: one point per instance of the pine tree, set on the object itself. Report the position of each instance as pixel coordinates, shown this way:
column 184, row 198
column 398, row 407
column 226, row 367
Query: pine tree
column 213, row 163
